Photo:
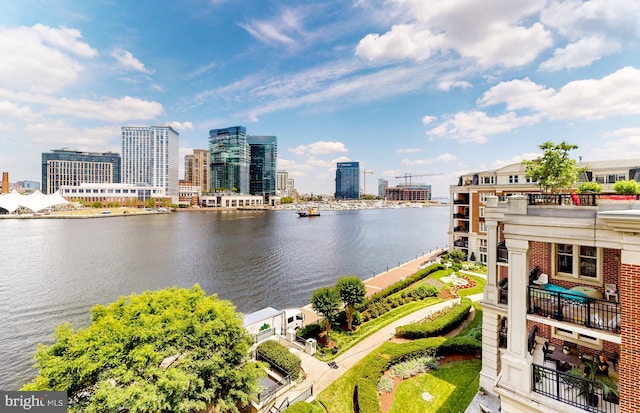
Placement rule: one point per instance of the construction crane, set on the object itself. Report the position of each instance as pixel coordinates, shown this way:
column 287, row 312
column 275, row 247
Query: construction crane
column 409, row 176
column 364, row 180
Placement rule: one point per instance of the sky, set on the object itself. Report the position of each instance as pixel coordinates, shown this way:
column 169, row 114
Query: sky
column 421, row 87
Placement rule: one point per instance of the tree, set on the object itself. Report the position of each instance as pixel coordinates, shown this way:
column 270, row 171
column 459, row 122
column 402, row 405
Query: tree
column 554, row 170
column 170, row 350
column 590, row 187
column 326, row 302
column 352, row 292
column 629, row 187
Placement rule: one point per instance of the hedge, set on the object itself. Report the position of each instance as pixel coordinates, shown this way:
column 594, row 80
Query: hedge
column 438, row 326
column 281, row 357
column 303, row 407
column 401, row 285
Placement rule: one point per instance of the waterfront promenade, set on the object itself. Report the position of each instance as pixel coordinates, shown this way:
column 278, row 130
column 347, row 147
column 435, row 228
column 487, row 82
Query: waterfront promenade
column 384, row 279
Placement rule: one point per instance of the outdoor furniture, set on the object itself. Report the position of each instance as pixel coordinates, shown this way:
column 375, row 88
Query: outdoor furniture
column 560, row 357
column 587, row 291
column 547, row 354
column 542, row 279
column 611, row 290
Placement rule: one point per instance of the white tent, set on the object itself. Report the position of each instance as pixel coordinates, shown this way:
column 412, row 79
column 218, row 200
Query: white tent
column 35, row 202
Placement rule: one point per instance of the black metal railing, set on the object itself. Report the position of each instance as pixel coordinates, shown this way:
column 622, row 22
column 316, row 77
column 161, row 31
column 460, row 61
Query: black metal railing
column 575, row 309
column 462, row 244
column 502, row 253
column 461, row 229
column 580, row 392
column 503, row 296
column 563, row 199
column 461, row 216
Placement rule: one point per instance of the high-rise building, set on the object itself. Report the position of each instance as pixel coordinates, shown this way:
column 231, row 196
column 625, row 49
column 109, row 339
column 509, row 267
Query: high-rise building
column 348, row 180
column 262, row 168
column 197, row 169
column 67, row 167
column 282, row 181
column 230, row 159
column 150, row 156
column 383, row 184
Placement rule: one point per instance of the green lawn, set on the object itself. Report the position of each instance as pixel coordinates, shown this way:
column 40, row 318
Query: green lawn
column 452, row 387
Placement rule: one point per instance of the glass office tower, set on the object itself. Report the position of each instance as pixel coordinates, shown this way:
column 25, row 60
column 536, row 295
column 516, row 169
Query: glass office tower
column 66, row 167
column 348, row 180
column 262, row 169
column 230, row 158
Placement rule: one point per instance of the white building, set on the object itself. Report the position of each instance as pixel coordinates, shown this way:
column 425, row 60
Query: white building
column 231, row 201
column 150, row 156
column 126, row 194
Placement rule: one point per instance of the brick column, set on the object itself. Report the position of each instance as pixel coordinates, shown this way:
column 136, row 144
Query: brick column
column 629, row 364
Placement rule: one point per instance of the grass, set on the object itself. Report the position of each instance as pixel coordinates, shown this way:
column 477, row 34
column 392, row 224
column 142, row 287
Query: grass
column 452, row 387
column 345, row 340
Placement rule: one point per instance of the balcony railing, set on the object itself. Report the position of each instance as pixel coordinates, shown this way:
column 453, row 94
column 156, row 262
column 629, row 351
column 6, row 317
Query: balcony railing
column 575, row 309
column 574, row 390
column 503, row 253
column 461, row 229
column 461, row 244
column 461, row 201
column 563, row 199
column 461, row 216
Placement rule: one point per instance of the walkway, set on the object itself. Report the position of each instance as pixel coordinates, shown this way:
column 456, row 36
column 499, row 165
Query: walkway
column 383, row 280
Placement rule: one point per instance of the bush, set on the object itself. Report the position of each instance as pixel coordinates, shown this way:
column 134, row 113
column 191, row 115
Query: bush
column 357, row 318
column 303, row 407
column 385, row 385
column 438, row 326
column 367, row 397
column 461, row 345
column 629, row 187
column 413, row 367
column 279, row 355
column 309, row 331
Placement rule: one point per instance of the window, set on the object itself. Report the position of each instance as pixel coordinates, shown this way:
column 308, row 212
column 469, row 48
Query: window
column 483, row 258
column 483, row 227
column 483, row 245
column 513, row 179
column 487, row 180
column 484, row 195
column 578, row 261
column 481, row 212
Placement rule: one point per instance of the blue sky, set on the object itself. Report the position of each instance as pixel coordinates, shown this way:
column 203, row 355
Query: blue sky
column 437, row 87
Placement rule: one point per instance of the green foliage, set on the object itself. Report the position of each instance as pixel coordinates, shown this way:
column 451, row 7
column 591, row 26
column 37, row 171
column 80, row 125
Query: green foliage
column 629, row 187
column 590, row 187
column 326, row 301
column 461, row 345
column 281, row 357
column 286, row 200
column 554, row 170
column 368, row 397
column 439, row 326
column 309, row 331
column 400, row 285
column 96, row 204
column 352, row 292
column 455, row 256
column 385, row 385
column 169, row 350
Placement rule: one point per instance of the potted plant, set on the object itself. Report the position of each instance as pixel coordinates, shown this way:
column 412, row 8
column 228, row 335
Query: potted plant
column 566, row 349
column 587, row 388
column 481, row 390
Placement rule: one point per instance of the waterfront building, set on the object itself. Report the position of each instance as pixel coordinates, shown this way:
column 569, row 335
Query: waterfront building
column 410, row 193
column 27, row 186
column 262, row 167
column 467, row 229
column 230, row 159
column 234, row 201
column 348, row 180
column 383, row 184
column 120, row 193
column 70, row 167
column 150, row 156
column 197, row 168
column 189, row 194
column 281, row 181
column 562, row 277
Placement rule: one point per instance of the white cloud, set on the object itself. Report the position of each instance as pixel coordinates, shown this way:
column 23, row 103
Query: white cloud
column 579, row 54
column 447, row 85
column 492, row 34
column 130, row 62
column 445, row 157
column 39, row 58
column 319, row 148
column 498, row 163
column 15, row 112
column 428, row 119
column 409, row 150
column 111, row 110
column 181, row 125
column 475, row 126
column 613, row 95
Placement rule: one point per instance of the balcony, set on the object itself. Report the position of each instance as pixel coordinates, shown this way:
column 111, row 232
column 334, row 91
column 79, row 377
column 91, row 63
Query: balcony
column 461, row 216
column 575, row 309
column 461, row 229
column 563, row 199
column 580, row 392
column 502, row 253
column 461, row 244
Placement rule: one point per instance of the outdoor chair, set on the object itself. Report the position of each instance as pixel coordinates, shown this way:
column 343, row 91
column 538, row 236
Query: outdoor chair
column 547, row 354
column 611, row 290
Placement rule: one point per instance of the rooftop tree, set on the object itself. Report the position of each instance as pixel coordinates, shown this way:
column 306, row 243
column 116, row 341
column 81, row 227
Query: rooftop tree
column 554, row 170
column 171, row 350
column 352, row 292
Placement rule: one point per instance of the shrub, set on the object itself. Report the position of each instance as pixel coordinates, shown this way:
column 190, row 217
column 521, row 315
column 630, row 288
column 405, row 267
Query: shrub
column 590, row 187
column 303, row 407
column 367, row 397
column 357, row 318
column 629, row 187
column 461, row 345
column 413, row 367
column 424, row 291
column 309, row 331
column 279, row 355
column 438, row 326
column 385, row 385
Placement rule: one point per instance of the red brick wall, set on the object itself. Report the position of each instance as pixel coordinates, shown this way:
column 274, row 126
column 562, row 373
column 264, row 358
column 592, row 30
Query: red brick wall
column 630, row 335
column 540, row 255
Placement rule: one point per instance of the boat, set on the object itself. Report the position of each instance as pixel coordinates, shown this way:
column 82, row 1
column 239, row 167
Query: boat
column 310, row 212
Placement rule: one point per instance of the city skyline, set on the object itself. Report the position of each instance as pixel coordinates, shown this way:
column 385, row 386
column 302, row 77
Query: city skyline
column 402, row 86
